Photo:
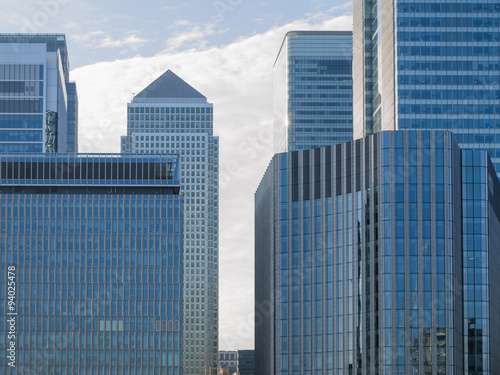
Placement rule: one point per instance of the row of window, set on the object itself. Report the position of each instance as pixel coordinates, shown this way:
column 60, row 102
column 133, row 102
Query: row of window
column 438, row 79
column 436, row 36
column 89, row 259
column 64, row 360
column 326, row 113
column 449, row 109
column 21, row 106
column 21, row 147
column 449, row 94
column 474, row 125
column 455, row 7
column 21, row 72
column 154, row 209
column 314, row 78
column 24, row 121
column 194, row 110
column 146, row 243
column 135, row 117
column 447, row 51
column 29, row 135
column 104, row 307
column 83, row 170
column 436, row 21
column 21, row 88
column 304, row 104
column 458, row 65
column 89, row 226
column 309, row 88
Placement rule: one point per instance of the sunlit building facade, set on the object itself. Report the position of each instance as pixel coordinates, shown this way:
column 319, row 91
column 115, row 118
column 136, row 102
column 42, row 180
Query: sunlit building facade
column 94, row 246
column 312, row 90
column 378, row 256
column 428, row 65
column 171, row 115
column 38, row 103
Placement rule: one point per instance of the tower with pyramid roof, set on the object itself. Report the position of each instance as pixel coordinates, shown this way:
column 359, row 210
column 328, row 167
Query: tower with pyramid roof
column 170, row 116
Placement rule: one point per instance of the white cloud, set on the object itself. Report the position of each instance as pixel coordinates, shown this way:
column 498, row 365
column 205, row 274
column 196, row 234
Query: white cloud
column 237, row 78
column 181, row 23
column 129, row 41
column 87, row 36
column 194, row 37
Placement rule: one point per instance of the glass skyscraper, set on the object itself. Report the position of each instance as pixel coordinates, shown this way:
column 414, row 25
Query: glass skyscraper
column 313, row 90
column 94, row 247
column 429, row 65
column 171, row 115
column 378, row 256
column 36, row 114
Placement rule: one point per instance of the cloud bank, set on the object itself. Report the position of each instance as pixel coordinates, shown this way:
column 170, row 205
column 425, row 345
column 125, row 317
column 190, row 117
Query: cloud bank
column 237, row 78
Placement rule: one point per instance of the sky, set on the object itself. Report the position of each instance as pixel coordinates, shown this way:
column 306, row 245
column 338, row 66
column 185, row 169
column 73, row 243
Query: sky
column 223, row 48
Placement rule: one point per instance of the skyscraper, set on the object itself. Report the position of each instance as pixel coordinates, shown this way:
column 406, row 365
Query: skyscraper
column 92, row 262
column 34, row 86
column 246, row 362
column 428, row 65
column 72, row 116
column 378, row 256
column 170, row 114
column 228, row 361
column 313, row 90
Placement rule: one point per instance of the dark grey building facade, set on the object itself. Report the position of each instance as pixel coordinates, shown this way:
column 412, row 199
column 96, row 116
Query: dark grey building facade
column 246, row 362
column 378, row 256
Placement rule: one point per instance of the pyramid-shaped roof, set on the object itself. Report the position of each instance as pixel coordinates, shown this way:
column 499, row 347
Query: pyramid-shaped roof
column 169, row 85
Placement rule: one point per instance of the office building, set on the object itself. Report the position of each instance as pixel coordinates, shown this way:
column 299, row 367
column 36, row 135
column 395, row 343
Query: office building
column 94, row 247
column 428, row 65
column 228, row 361
column 35, row 115
column 171, row 115
column 72, row 118
column 312, row 79
column 246, row 364
column 378, row 256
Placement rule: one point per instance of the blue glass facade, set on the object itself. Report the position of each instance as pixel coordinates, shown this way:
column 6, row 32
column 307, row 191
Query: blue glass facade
column 22, row 119
column 38, row 104
column 480, row 256
column 429, row 65
column 313, row 90
column 365, row 262
column 97, row 246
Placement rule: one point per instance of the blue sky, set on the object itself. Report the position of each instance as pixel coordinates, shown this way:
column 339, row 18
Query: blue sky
column 223, row 48
column 111, row 29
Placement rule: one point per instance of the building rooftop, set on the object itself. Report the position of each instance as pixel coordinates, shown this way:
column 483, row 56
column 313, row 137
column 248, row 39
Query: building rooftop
column 169, row 85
